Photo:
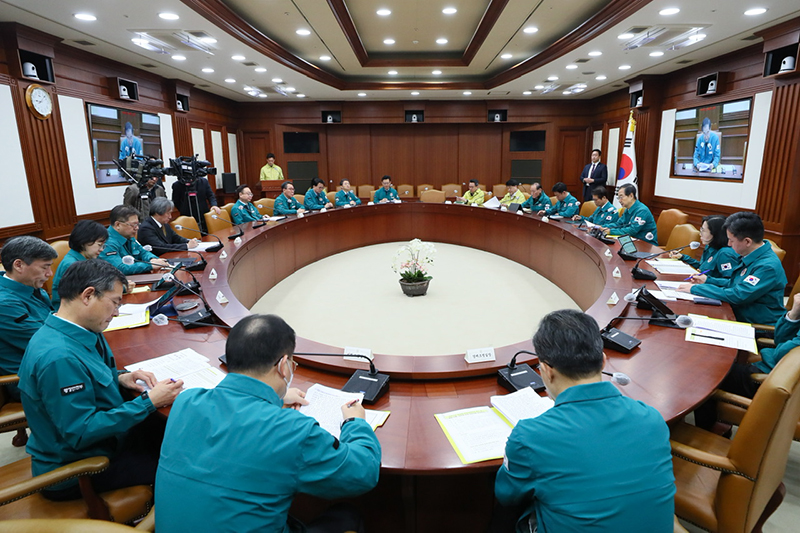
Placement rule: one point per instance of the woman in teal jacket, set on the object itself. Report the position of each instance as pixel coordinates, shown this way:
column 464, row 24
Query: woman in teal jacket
column 86, row 241
column 718, row 259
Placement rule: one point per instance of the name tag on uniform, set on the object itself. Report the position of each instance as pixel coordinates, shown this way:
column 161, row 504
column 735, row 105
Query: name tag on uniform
column 72, row 389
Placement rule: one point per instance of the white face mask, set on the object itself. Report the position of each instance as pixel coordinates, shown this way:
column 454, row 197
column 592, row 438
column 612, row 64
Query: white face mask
column 291, row 377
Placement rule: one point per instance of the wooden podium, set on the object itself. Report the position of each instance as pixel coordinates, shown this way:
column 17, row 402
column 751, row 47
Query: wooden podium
column 270, row 188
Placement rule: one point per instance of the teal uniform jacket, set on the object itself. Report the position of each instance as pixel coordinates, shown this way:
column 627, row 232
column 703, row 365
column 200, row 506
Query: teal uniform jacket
column 707, row 152
column 719, row 263
column 567, row 208
column 537, row 204
column 344, row 198
column 233, row 459
column 244, row 212
column 596, row 462
column 381, row 194
column 286, row 206
column 118, row 247
column 23, row 310
column 605, row 215
column 70, row 393
column 315, row 201
column 71, row 257
column 636, row 221
column 754, row 290
column 787, row 338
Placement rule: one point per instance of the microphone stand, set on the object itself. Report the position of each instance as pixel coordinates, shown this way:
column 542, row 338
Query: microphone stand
column 203, row 317
column 372, row 383
column 237, row 226
column 516, row 377
column 641, row 274
column 204, row 234
column 197, row 265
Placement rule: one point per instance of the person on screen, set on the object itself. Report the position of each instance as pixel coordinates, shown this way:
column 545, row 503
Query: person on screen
column 315, row 198
column 70, row 389
column 474, row 196
column 718, row 259
column 538, row 200
column 122, row 243
column 566, row 206
column 244, row 210
column 128, row 143
column 271, row 171
column 637, row 220
column 513, row 194
column 594, row 175
column 156, row 231
column 346, row 196
column 286, row 203
column 597, row 460
column 386, row 193
column 605, row 213
column 706, row 149
column 87, row 240
column 265, row 454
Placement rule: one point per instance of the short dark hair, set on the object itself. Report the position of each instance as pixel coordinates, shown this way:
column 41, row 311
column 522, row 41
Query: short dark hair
column 316, row 181
column 270, row 155
column 27, row 248
column 257, row 343
column 96, row 273
column 512, row 183
column 86, row 232
column 129, row 126
column 628, row 189
column 160, row 205
column 599, row 152
column 706, row 122
column 121, row 213
column 341, row 181
column 600, row 192
column 473, row 180
column 716, row 225
column 241, row 188
column 560, row 187
column 536, row 186
column 745, row 224
column 386, row 177
column 569, row 341
column 286, row 184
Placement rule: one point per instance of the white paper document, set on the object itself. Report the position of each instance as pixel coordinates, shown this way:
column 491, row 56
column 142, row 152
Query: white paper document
column 717, row 338
column 525, row 403
column 325, row 406
column 477, row 434
column 740, row 329
column 203, row 246
column 667, row 266
column 185, row 364
column 492, row 202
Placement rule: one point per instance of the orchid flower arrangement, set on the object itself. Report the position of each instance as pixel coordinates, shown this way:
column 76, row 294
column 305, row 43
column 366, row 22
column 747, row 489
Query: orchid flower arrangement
column 413, row 259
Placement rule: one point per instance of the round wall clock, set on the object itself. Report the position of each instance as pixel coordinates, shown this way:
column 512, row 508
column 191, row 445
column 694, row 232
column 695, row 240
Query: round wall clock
column 39, row 101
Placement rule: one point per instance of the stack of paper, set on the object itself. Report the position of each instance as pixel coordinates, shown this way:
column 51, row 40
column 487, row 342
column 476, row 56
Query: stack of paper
column 187, row 365
column 525, row 403
column 203, row 246
column 671, row 266
column 738, row 335
column 325, row 406
column 131, row 316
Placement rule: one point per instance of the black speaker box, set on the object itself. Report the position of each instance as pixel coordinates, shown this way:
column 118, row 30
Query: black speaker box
column 229, row 182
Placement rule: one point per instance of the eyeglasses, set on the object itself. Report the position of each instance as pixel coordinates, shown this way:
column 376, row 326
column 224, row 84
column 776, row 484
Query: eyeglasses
column 116, row 301
column 133, row 225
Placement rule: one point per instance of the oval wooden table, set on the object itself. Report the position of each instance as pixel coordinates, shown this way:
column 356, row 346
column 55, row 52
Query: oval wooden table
column 666, row 372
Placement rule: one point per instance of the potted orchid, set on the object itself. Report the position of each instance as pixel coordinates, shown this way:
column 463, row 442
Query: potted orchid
column 412, row 261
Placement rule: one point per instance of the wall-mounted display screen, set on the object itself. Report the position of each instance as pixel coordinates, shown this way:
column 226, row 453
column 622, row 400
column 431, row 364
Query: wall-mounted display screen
column 300, row 142
column 118, row 133
column 527, row 141
column 711, row 141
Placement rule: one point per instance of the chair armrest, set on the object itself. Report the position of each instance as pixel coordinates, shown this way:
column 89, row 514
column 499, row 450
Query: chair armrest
column 734, row 399
column 763, row 327
column 759, row 377
column 92, row 465
column 148, row 523
column 9, row 379
column 765, row 343
column 709, row 460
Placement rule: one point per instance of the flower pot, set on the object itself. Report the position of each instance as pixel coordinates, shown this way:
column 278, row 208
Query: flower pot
column 414, row 288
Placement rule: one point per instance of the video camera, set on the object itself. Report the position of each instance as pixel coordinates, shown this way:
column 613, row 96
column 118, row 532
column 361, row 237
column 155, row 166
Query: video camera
column 188, row 169
column 139, row 169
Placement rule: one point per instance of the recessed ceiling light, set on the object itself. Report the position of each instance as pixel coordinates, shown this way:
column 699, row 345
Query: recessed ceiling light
column 324, row 58
column 449, row 11
column 669, row 11
column 178, row 57
column 506, row 56
column 168, row 16
column 697, row 37
column 384, row 12
column 388, row 41
column 303, row 32
column 262, row 95
column 290, row 89
column 277, row 80
column 85, row 16
column 139, row 41
column 436, row 72
column 566, row 92
column 600, row 78
column 467, row 93
column 252, row 93
column 624, row 67
column 572, row 67
column 230, row 80
column 552, row 78
column 526, row 93
column 392, row 73
column 530, row 29
column 595, row 53
column 755, row 11
column 208, row 70
column 414, row 93
column 625, row 36
column 441, row 40
column 208, row 40
column 238, row 57
column 301, row 95
column 656, row 54
column 578, row 90
column 539, row 87
column 260, row 69
column 362, row 94
column 581, row 85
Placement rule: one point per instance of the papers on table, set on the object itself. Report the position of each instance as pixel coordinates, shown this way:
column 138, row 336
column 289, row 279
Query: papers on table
column 480, row 433
column 493, row 202
column 671, row 266
column 203, row 246
column 276, row 218
column 325, row 406
column 131, row 316
column 187, row 365
column 737, row 335
column 670, row 292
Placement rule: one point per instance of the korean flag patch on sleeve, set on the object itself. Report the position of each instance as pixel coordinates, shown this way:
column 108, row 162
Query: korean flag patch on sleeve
column 728, row 266
column 752, row 280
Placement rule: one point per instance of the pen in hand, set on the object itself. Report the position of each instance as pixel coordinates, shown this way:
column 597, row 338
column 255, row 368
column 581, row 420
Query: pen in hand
column 352, row 403
column 704, row 272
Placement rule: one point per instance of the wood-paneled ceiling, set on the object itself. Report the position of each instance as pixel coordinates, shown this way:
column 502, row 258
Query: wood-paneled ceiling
column 491, row 49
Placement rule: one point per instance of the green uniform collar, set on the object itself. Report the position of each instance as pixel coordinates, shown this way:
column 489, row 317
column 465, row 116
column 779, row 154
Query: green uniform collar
column 251, row 387
column 588, row 392
column 24, row 292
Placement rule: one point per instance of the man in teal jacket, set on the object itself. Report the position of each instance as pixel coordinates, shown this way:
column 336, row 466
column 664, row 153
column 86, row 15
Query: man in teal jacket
column 234, row 457
column 597, row 461
column 637, row 220
column 605, row 213
column 567, row 205
column 244, row 210
column 70, row 387
column 345, row 196
column 122, row 243
column 538, row 200
column 386, row 193
column 286, row 204
column 755, row 288
column 315, row 198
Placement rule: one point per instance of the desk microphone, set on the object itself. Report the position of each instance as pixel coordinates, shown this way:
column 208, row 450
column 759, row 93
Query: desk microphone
column 197, row 265
column 203, row 317
column 619, row 378
column 204, row 234
column 516, row 377
column 641, row 274
column 372, row 383
column 237, row 226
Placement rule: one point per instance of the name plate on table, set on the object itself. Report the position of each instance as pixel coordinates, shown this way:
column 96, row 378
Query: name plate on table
column 352, row 350
column 479, row 355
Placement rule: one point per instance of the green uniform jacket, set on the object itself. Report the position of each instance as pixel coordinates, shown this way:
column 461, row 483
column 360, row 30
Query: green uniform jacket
column 576, row 467
column 719, row 263
column 71, row 257
column 344, row 198
column 605, row 215
column 754, row 290
column 118, row 247
column 478, row 198
column 286, row 206
column 787, row 338
column 636, row 221
column 382, row 193
column 538, row 204
column 314, row 200
column 244, row 212
column 70, row 393
column 233, row 459
column 22, row 313
column 567, row 208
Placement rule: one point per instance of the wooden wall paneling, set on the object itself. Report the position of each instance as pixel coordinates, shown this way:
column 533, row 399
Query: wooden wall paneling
column 349, row 155
column 373, row 112
column 254, row 149
column 436, row 155
column 282, row 158
column 392, row 149
column 459, row 112
column 480, row 153
column 571, row 153
column 183, row 135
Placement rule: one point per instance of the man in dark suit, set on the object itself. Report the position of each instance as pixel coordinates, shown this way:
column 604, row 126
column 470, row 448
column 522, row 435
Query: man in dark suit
column 156, row 231
column 594, row 175
column 201, row 201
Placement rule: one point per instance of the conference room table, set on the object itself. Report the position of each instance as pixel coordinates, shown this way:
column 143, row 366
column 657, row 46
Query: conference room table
column 420, row 470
